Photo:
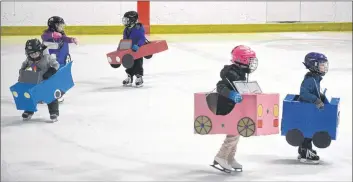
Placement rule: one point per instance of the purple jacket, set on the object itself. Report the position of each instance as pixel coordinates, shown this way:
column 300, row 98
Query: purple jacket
column 47, row 36
column 136, row 34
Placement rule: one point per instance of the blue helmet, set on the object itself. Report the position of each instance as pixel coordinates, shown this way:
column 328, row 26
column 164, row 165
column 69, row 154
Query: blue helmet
column 316, row 62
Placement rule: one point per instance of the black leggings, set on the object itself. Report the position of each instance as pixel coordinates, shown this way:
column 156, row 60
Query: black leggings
column 137, row 68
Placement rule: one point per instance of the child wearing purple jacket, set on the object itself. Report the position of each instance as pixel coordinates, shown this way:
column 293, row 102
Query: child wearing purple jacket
column 57, row 42
column 136, row 32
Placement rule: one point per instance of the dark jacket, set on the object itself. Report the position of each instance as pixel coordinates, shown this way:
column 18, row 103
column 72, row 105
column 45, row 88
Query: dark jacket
column 232, row 73
column 310, row 88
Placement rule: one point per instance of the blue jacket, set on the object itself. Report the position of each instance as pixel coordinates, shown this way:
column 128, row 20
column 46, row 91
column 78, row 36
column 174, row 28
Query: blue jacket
column 310, row 88
column 136, row 34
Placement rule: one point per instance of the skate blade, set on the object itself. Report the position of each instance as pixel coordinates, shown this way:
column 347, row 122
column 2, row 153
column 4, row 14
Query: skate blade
column 305, row 161
column 238, row 169
column 127, row 85
column 216, row 165
column 138, row 86
column 221, row 169
column 27, row 119
column 52, row 121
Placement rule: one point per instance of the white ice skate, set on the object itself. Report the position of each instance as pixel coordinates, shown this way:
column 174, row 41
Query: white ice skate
column 128, row 81
column 223, row 165
column 139, row 81
column 236, row 165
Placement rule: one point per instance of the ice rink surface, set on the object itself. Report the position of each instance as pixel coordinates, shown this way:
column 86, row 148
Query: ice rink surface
column 110, row 133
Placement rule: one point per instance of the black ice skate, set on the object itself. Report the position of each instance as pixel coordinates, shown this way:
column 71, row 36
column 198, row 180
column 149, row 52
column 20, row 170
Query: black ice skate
column 128, row 81
column 53, row 118
column 139, row 81
column 309, row 157
column 27, row 115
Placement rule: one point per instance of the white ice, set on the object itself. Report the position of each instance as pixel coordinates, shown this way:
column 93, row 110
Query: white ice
column 110, row 133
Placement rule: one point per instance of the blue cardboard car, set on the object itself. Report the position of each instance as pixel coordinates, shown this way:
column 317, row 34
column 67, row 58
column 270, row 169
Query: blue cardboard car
column 60, row 50
column 27, row 93
column 303, row 120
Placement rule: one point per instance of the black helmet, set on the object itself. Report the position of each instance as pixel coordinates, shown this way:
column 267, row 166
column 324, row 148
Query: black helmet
column 130, row 18
column 33, row 46
column 54, row 22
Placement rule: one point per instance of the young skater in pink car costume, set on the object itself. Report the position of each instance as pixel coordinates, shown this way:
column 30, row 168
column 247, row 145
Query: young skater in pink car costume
column 244, row 62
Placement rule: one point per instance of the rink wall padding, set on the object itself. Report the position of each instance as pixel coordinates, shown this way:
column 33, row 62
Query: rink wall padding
column 186, row 29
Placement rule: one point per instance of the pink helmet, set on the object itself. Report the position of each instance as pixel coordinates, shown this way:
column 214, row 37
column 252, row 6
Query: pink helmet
column 244, row 56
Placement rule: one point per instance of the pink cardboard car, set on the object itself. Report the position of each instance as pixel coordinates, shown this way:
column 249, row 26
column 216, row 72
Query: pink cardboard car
column 256, row 115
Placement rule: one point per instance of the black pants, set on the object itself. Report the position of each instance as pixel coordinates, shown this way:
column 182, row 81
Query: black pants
column 137, row 68
column 306, row 145
column 53, row 108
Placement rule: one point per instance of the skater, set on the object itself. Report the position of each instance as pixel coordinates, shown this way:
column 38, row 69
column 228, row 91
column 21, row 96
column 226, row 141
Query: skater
column 244, row 62
column 134, row 31
column 317, row 64
column 55, row 38
column 37, row 61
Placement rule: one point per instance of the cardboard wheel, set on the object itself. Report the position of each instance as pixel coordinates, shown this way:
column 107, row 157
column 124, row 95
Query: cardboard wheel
column 246, row 127
column 115, row 65
column 294, row 137
column 321, row 139
column 148, row 57
column 57, row 94
column 128, row 61
column 202, row 125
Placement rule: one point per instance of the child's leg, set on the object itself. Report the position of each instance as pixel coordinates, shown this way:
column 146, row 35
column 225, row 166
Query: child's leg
column 53, row 108
column 225, row 150
column 138, row 67
column 138, row 70
column 234, row 163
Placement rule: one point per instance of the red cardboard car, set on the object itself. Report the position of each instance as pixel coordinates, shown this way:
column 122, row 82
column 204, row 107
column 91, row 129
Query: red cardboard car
column 125, row 55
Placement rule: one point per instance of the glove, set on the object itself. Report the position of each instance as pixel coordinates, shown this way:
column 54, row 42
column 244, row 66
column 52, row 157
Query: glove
column 235, row 96
column 75, row 40
column 51, row 71
column 57, row 35
column 319, row 104
column 323, row 98
column 135, row 48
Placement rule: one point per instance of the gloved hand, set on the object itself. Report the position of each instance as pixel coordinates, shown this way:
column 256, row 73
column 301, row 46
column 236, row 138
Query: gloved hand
column 75, row 40
column 56, row 35
column 235, row 96
column 319, row 104
column 51, row 71
column 135, row 48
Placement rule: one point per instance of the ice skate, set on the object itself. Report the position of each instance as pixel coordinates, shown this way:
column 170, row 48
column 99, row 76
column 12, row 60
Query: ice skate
column 61, row 99
column 236, row 165
column 27, row 116
column 307, row 156
column 139, row 81
column 128, row 81
column 300, row 156
column 53, row 118
column 222, row 165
